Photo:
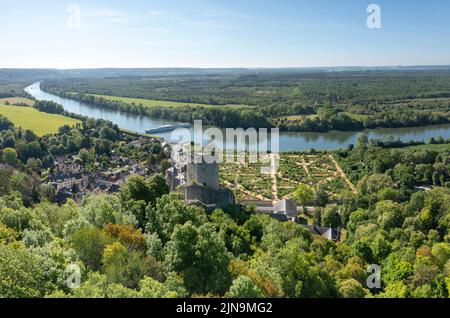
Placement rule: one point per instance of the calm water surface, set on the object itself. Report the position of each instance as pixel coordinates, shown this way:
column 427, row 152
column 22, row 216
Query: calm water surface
column 289, row 141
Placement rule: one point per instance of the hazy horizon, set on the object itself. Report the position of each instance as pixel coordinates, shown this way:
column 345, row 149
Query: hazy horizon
column 237, row 67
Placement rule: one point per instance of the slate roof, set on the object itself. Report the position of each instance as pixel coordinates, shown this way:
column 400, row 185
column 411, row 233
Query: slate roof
column 327, row 232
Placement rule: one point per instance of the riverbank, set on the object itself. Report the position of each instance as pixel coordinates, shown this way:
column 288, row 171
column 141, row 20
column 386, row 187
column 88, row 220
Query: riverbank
column 289, row 141
column 325, row 119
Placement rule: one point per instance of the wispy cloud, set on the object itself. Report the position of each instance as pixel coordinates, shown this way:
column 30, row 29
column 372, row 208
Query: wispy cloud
column 104, row 13
column 108, row 15
column 196, row 18
column 225, row 13
column 156, row 12
column 163, row 21
column 116, row 20
column 155, row 29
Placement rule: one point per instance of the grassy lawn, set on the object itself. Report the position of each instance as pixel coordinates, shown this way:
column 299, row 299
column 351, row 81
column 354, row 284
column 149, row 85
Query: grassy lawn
column 17, row 100
column 358, row 116
column 300, row 117
column 431, row 147
column 39, row 122
column 156, row 103
column 294, row 118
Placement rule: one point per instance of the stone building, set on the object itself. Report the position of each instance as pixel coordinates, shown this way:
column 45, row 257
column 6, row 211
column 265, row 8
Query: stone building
column 287, row 211
column 197, row 180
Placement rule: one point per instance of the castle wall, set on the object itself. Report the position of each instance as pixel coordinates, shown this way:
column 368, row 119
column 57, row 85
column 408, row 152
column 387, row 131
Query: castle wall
column 203, row 174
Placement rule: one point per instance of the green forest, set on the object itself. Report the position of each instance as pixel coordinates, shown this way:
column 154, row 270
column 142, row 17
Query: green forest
column 144, row 242
column 293, row 101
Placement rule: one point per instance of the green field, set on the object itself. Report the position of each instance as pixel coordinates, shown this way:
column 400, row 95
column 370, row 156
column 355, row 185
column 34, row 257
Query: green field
column 301, row 117
column 431, row 147
column 156, row 103
column 39, row 122
column 359, row 117
column 17, row 100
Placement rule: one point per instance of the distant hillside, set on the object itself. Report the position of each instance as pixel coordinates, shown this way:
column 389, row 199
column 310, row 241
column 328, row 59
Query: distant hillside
column 25, row 75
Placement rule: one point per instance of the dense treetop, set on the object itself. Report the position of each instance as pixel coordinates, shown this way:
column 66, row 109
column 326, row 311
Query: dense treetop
column 301, row 101
column 146, row 242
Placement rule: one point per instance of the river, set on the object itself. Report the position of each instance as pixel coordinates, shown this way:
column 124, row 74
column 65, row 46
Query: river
column 289, row 141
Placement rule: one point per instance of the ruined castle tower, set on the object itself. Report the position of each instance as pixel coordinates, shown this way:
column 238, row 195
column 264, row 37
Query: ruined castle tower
column 202, row 173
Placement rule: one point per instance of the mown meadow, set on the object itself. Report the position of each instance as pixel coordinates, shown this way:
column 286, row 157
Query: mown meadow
column 39, row 122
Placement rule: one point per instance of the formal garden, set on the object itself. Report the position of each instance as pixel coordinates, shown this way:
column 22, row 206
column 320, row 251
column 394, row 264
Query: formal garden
column 250, row 182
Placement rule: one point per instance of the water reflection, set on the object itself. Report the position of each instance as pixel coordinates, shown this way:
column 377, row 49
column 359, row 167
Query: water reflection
column 289, row 141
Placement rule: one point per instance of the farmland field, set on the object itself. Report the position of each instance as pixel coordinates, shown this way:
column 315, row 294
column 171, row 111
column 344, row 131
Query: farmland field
column 301, row 117
column 17, row 100
column 156, row 103
column 431, row 147
column 39, row 122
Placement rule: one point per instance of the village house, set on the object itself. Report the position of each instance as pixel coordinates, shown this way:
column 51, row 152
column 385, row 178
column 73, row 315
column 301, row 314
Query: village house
column 287, row 211
column 66, row 181
column 71, row 181
column 327, row 232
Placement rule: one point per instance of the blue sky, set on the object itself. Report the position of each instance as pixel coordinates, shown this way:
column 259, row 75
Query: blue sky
column 222, row 33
